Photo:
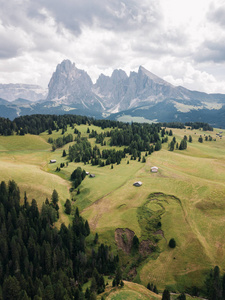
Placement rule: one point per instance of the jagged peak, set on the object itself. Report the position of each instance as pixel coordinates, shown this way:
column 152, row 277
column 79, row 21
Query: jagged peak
column 119, row 74
column 152, row 76
column 66, row 65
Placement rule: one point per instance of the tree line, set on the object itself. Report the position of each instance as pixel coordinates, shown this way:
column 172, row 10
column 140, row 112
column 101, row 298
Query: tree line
column 38, row 123
column 198, row 125
column 60, row 141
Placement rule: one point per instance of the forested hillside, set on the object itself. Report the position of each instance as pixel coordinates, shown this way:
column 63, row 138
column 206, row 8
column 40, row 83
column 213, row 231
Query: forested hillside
column 89, row 219
column 37, row 260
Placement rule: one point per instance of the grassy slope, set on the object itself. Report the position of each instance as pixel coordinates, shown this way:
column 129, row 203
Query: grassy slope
column 134, row 291
column 130, row 291
column 196, row 176
column 23, row 159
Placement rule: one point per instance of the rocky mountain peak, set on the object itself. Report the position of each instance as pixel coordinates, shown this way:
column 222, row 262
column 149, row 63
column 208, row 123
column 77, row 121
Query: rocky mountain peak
column 153, row 77
column 66, row 65
column 68, row 80
column 118, row 75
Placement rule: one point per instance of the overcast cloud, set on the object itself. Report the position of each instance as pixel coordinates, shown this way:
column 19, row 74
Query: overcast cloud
column 180, row 41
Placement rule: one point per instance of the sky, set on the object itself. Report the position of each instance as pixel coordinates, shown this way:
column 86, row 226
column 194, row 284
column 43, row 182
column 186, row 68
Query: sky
column 181, row 41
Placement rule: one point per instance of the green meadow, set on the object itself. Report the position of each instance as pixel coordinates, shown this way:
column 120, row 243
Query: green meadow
column 189, row 193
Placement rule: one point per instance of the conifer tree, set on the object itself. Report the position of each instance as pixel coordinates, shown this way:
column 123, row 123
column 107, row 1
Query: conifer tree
column 166, row 295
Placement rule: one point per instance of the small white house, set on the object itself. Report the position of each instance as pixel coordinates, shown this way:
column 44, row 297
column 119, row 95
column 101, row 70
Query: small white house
column 154, row 169
column 137, row 183
column 52, row 161
column 87, row 173
column 92, row 175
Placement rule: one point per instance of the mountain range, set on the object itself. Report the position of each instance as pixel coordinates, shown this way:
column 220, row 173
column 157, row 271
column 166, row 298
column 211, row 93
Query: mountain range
column 141, row 96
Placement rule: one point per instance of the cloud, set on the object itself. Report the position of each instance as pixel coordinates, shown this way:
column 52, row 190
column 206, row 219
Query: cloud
column 211, row 50
column 113, row 15
column 100, row 36
column 217, row 14
column 12, row 42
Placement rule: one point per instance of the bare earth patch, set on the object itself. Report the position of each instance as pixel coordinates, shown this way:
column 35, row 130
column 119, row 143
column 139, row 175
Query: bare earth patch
column 124, row 238
column 132, row 273
column 145, row 248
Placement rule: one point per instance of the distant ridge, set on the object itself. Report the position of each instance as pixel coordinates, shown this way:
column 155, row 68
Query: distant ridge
column 141, row 94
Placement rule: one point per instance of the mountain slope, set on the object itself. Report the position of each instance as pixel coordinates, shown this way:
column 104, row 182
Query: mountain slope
column 141, row 94
column 70, row 85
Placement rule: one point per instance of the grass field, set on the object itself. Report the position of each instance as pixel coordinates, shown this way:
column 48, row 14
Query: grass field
column 134, row 291
column 196, row 177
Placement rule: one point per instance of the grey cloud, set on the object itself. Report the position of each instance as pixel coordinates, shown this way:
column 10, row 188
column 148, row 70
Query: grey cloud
column 217, row 15
column 12, row 43
column 171, row 42
column 113, row 15
column 213, row 51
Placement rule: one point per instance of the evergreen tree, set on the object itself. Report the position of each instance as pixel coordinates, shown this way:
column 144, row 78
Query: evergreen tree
column 158, row 146
column 68, row 207
column 96, row 238
column 166, row 295
column 135, row 243
column 118, row 276
column 55, row 197
column 200, row 139
column 182, row 296
column 155, row 290
column 143, row 159
column 172, row 243
column 171, row 146
column 87, row 228
column 183, row 145
column 170, row 133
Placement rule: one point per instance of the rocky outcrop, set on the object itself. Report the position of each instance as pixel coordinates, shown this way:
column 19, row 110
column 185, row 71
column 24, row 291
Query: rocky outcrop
column 70, row 85
column 119, row 92
column 141, row 94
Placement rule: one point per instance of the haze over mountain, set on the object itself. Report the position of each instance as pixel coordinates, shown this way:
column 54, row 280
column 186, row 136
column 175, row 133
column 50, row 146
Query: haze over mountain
column 141, row 94
column 30, row 92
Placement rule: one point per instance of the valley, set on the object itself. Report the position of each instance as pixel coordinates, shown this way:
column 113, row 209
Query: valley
column 187, row 195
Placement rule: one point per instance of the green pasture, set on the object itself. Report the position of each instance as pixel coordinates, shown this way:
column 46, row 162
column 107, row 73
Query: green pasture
column 134, row 291
column 24, row 159
column 196, row 222
column 130, row 291
column 192, row 187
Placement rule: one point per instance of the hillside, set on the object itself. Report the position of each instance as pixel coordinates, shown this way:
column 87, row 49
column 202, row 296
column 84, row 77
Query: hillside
column 186, row 196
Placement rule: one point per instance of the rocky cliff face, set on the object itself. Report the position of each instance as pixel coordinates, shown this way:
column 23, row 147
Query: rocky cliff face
column 70, row 85
column 141, row 94
column 112, row 89
column 119, row 92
